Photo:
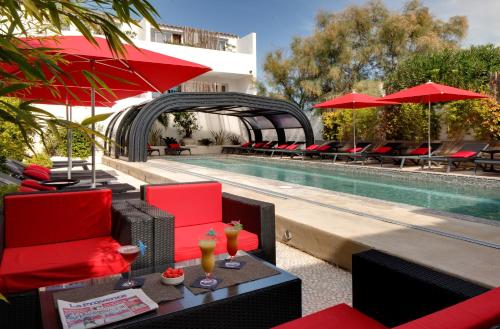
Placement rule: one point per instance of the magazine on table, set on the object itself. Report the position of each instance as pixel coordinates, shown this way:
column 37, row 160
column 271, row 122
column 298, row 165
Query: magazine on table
column 104, row 310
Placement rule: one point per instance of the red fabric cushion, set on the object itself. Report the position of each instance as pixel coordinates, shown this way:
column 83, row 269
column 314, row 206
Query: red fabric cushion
column 480, row 312
column 36, row 174
column 27, row 189
column 191, row 204
column 267, row 146
column 420, row 151
column 174, row 146
column 259, row 145
column 463, row 154
column 340, row 316
column 282, row 146
column 247, row 144
column 33, row 184
column 44, row 218
column 186, row 240
column 382, row 149
column 292, row 147
column 38, row 167
column 28, row 268
column 312, row 147
column 323, row 148
column 354, row 150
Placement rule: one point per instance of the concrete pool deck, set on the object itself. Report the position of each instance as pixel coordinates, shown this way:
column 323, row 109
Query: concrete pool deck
column 332, row 226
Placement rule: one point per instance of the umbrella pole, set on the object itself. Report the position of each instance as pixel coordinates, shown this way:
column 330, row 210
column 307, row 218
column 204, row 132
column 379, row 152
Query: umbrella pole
column 70, row 144
column 92, row 146
column 429, row 133
column 68, row 136
column 354, row 128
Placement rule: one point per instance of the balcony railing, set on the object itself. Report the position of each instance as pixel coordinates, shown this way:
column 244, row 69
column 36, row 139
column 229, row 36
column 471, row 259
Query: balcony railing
column 188, row 36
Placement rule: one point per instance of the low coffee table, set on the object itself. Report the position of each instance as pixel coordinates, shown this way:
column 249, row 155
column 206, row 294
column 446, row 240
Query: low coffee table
column 262, row 303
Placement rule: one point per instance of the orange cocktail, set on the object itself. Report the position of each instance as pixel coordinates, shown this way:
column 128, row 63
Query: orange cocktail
column 207, row 247
column 232, row 244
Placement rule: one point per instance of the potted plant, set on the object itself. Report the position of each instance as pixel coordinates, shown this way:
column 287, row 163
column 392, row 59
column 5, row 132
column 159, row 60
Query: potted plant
column 186, row 123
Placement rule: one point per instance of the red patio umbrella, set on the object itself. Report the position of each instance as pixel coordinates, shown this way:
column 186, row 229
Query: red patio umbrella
column 138, row 71
column 353, row 101
column 428, row 93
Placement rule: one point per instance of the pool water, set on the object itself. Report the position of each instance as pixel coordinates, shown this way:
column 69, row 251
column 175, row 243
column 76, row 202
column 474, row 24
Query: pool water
column 454, row 198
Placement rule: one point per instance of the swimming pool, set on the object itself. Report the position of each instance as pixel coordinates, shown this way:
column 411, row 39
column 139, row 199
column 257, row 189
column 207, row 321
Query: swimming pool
column 454, row 198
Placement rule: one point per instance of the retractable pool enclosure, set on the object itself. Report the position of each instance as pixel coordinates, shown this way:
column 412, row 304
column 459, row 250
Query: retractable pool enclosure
column 130, row 127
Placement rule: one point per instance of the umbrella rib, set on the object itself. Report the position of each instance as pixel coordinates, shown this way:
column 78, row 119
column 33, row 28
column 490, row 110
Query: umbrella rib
column 139, row 75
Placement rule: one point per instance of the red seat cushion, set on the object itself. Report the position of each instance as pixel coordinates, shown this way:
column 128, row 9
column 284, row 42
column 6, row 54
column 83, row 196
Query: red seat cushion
column 420, row 151
column 36, row 186
column 282, row 146
column 27, row 189
column 312, row 147
column 38, row 167
column 32, row 267
column 480, row 312
column 463, row 154
column 354, row 150
column 259, row 145
column 36, row 174
column 292, row 147
column 186, row 240
column 340, row 316
column 247, row 144
column 191, row 204
column 53, row 217
column 382, row 149
column 323, row 148
column 174, row 146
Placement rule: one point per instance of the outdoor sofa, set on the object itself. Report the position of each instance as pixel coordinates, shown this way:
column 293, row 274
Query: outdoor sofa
column 56, row 237
column 467, row 153
column 360, row 148
column 392, row 148
column 390, row 292
column 201, row 206
column 413, row 155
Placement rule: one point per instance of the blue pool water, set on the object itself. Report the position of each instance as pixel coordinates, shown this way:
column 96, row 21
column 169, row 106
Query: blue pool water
column 454, row 198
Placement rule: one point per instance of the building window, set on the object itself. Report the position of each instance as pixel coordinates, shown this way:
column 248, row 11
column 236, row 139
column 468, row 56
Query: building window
column 222, row 44
column 176, row 38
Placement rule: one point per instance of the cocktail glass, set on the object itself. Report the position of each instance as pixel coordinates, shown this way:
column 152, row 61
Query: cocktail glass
column 232, row 244
column 129, row 253
column 207, row 247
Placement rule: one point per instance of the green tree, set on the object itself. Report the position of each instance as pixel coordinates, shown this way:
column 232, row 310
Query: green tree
column 24, row 18
column 359, row 43
column 186, row 123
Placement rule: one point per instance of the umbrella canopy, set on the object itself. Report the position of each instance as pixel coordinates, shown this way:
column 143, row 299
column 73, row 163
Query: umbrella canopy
column 138, row 71
column 353, row 101
column 428, row 93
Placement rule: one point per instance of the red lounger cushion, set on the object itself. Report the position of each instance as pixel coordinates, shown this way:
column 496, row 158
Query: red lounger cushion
column 38, row 167
column 312, row 147
column 339, row 316
column 36, row 174
column 292, row 147
column 247, row 144
column 259, row 145
column 420, row 151
column 354, row 150
column 27, row 189
column 382, row 149
column 463, row 154
column 186, row 240
column 323, row 148
column 282, row 146
column 28, row 268
column 36, row 186
column 174, row 146
column 72, row 216
column 479, row 312
column 191, row 204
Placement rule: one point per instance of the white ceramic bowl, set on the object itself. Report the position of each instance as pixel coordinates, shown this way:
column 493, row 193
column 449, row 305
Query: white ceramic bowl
column 172, row 281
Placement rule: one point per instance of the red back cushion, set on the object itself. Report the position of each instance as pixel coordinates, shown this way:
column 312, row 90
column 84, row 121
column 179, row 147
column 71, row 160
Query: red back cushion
column 382, row 149
column 312, row 147
column 247, row 144
column 174, row 146
column 420, row 151
column 478, row 312
column 38, row 167
column 36, row 185
column 36, row 174
column 354, row 150
column 191, row 204
column 46, row 218
column 292, row 147
column 323, row 148
column 149, row 146
column 463, row 154
column 282, row 146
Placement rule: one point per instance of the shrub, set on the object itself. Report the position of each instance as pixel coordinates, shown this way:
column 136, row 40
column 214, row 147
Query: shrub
column 338, row 125
column 169, row 140
column 11, row 145
column 81, row 145
column 234, row 139
column 5, row 189
column 154, row 137
column 410, row 122
column 41, row 159
column 219, row 136
column 205, row 141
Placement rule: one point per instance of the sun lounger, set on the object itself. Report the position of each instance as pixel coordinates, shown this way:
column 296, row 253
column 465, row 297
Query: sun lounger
column 290, row 147
column 467, row 153
column 361, row 148
column 236, row 148
column 74, row 163
column 413, row 155
column 152, row 150
column 386, row 149
column 485, row 162
column 314, row 150
column 176, row 149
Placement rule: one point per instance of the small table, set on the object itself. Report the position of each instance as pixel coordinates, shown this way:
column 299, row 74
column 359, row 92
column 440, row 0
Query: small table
column 59, row 184
column 262, row 303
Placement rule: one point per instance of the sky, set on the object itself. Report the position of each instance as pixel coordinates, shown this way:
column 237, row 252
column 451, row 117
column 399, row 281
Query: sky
column 276, row 22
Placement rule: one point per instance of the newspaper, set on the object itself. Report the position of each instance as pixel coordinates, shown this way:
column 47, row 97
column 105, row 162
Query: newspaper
column 104, row 310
